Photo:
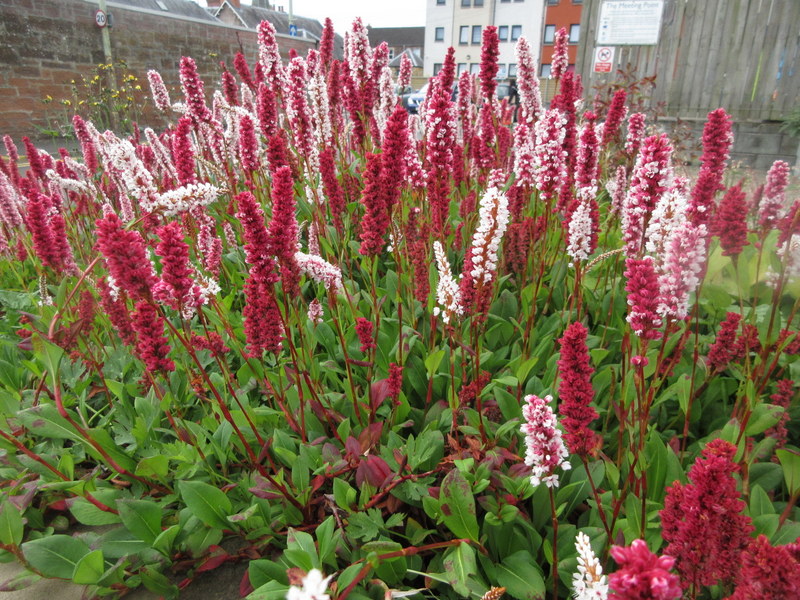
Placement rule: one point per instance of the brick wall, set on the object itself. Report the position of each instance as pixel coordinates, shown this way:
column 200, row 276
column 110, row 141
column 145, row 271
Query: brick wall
column 45, row 44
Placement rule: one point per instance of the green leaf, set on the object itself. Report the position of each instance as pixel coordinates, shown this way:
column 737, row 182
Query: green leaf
column 120, row 542
column 142, row 518
column 89, row 569
column 43, row 420
column 56, row 555
column 159, row 584
column 88, row 514
column 457, row 506
column 11, row 526
column 263, row 571
column 153, row 466
column 762, row 418
column 521, row 577
column 790, row 461
column 433, row 361
column 207, row 503
column 163, row 543
column 459, row 564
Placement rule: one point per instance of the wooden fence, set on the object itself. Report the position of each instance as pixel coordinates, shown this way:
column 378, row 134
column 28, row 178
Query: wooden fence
column 742, row 55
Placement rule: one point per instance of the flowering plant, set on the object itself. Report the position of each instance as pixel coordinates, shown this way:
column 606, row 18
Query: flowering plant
column 300, row 332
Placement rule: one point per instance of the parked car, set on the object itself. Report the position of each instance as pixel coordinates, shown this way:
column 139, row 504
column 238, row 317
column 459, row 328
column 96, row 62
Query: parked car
column 412, row 100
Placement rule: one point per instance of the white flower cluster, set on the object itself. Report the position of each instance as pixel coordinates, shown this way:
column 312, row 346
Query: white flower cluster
column 579, row 243
column 588, row 583
column 315, row 312
column 320, row 271
column 789, row 253
column 161, row 153
column 314, row 587
column 66, row 184
column 447, row 293
column 530, row 97
column 493, row 220
column 549, row 158
column 128, row 172
column 683, row 263
column 186, row 198
column 545, row 450
column 668, row 215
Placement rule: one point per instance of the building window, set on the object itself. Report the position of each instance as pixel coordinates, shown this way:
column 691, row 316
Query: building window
column 519, row 0
column 574, row 34
column 466, row 3
column 391, row 53
column 439, row 34
column 505, row 0
column 516, row 32
column 477, row 3
column 552, row 2
column 502, row 33
column 436, row 68
column 502, row 72
column 549, row 34
column 461, row 68
column 512, row 69
column 439, row 2
column 544, row 71
column 476, row 34
column 474, row 68
column 577, row 1
column 463, row 34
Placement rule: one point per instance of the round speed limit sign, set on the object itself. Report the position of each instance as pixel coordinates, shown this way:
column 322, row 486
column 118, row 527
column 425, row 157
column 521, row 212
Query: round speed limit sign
column 100, row 18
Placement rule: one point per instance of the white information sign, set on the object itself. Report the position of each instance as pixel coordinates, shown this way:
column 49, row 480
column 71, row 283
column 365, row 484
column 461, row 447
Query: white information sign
column 629, row 22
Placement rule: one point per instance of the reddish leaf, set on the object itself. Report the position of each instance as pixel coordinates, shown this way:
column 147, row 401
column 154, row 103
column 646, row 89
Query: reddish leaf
column 217, row 558
column 374, row 470
column 245, row 587
column 379, row 391
column 370, row 437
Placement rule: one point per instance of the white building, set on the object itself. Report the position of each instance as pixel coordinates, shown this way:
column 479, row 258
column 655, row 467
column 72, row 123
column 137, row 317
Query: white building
column 460, row 23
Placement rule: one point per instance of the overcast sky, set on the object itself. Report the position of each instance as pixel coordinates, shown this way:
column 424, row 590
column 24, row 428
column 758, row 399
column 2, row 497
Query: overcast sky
column 409, row 13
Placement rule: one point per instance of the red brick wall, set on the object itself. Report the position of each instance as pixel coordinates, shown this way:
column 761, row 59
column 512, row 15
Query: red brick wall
column 44, row 44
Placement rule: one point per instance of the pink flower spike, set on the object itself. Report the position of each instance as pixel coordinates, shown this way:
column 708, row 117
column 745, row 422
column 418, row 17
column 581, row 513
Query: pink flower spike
column 490, row 52
column 545, row 451
column 635, row 133
column 364, row 330
column 530, row 98
column 641, row 575
column 703, row 521
column 642, row 288
column 717, row 141
column 771, row 208
column 159, row 91
column 560, row 60
column 151, row 343
column 575, row 392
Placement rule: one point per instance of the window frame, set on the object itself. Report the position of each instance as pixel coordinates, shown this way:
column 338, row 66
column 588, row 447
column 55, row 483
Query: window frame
column 577, row 38
column 466, row 3
column 500, row 36
column 474, row 68
column 518, row 30
column 440, row 2
column 477, row 3
column 463, row 35
column 552, row 39
column 436, row 68
column 542, row 73
column 436, row 32
column 479, row 30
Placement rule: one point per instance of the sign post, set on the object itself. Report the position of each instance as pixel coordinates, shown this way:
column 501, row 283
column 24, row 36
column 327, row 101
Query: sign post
column 603, row 59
